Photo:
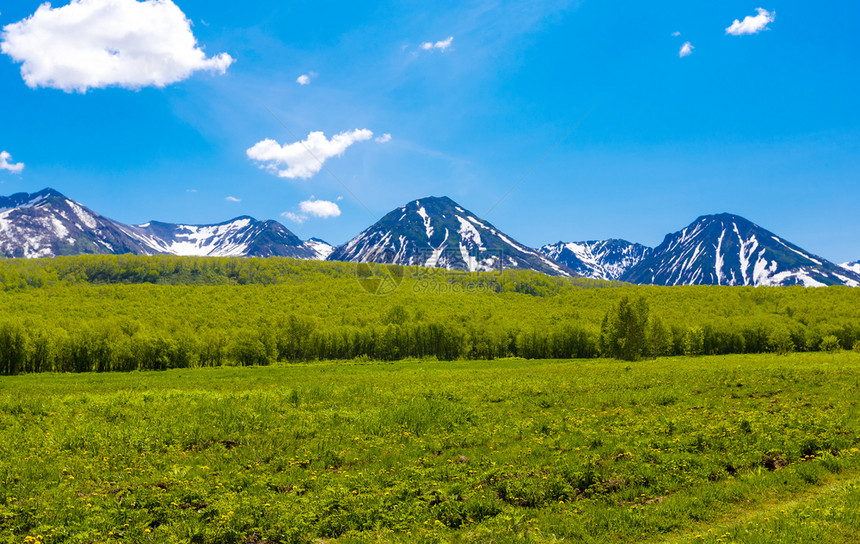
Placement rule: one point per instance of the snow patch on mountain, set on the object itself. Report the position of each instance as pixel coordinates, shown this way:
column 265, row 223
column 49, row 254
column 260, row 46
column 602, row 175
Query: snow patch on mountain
column 428, row 228
column 321, row 248
column 469, row 234
column 85, row 217
column 605, row 259
column 852, row 267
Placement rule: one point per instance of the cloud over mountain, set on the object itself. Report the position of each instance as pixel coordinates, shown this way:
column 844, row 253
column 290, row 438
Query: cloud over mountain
column 301, row 160
column 322, row 209
column 90, row 44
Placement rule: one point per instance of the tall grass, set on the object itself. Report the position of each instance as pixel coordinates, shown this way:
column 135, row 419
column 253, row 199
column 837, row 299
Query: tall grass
column 421, row 451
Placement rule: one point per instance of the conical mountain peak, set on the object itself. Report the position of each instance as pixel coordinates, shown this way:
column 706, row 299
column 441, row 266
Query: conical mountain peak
column 439, row 233
column 727, row 249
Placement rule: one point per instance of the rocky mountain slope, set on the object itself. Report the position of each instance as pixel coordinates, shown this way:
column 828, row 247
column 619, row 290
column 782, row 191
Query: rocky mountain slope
column 436, row 232
column 605, row 260
column 47, row 224
column 727, row 249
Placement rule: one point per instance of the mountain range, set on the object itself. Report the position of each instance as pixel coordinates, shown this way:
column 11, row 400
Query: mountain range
column 436, row 232
column 47, row 224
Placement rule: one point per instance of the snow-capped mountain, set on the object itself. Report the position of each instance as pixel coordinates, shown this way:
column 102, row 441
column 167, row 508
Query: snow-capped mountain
column 322, row 248
column 436, row 232
column 601, row 259
column 240, row 237
column 852, row 267
column 721, row 249
column 726, row 249
column 47, row 224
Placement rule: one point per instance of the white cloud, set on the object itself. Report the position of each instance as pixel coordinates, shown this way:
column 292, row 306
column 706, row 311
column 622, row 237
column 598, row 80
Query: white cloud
column 91, row 44
column 304, row 159
column 233, row 199
column 305, row 79
column 5, row 157
column 752, row 24
column 686, row 50
column 294, row 217
column 441, row 45
column 676, row 34
column 322, row 209
column 384, row 139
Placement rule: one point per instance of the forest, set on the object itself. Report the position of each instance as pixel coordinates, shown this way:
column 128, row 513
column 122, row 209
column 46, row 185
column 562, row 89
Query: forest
column 125, row 313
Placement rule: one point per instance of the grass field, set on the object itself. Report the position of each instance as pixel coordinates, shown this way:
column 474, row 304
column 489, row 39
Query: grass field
column 746, row 448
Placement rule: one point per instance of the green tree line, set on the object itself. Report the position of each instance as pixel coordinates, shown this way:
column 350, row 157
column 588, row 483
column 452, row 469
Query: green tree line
column 93, row 314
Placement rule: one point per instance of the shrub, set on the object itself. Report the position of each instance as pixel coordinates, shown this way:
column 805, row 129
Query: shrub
column 780, row 341
column 830, row 343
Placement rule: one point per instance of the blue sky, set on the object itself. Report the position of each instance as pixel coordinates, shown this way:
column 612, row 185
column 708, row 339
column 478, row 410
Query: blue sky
column 765, row 125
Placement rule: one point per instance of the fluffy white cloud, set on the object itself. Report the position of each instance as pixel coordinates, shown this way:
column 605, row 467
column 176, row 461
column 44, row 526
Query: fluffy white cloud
column 323, row 209
column 752, row 24
column 384, row 139
column 441, row 45
column 686, row 50
column 305, row 158
column 5, row 157
column 233, row 199
column 103, row 43
column 676, row 34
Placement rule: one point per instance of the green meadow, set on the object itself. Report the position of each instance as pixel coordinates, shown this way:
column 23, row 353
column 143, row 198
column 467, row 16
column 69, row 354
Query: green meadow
column 738, row 448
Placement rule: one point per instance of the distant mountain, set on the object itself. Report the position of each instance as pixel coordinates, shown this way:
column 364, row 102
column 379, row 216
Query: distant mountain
column 436, row 232
column 605, row 260
column 853, row 267
column 727, row 249
column 47, row 224
column 240, row 237
column 322, row 248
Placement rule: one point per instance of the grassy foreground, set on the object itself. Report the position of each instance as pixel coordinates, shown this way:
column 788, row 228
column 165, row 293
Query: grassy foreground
column 717, row 449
